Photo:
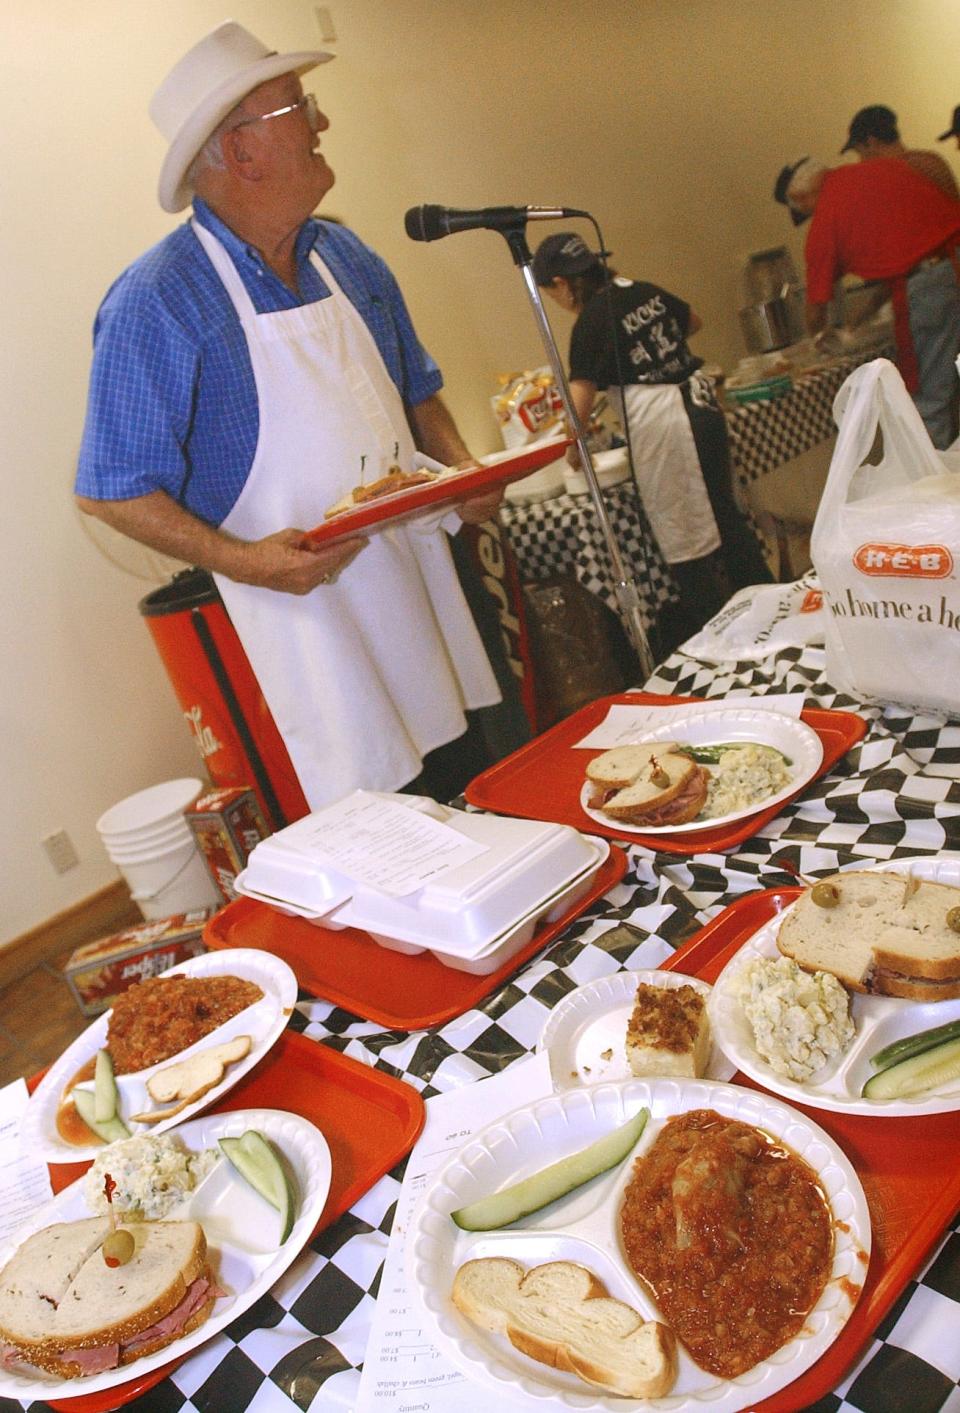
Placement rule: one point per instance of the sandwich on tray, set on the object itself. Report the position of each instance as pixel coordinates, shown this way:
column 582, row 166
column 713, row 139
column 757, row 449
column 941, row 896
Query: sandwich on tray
column 652, row 785
column 395, row 480
column 880, row 933
column 65, row 1310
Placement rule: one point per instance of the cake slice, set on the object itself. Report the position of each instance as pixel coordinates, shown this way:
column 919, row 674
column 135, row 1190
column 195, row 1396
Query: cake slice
column 668, row 1032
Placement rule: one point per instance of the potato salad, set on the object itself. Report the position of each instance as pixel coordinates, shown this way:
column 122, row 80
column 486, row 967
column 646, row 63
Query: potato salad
column 153, row 1173
column 744, row 776
column 800, row 1019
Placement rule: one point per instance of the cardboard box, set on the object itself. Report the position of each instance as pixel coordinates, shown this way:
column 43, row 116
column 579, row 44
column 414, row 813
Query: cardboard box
column 227, row 824
column 98, row 971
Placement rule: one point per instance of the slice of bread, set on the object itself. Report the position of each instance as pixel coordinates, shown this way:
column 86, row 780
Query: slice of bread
column 57, row 1293
column 561, row 1314
column 887, row 934
column 620, row 767
column 668, row 1032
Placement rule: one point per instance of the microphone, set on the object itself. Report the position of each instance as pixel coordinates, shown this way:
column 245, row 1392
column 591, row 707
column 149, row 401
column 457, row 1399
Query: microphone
column 432, row 222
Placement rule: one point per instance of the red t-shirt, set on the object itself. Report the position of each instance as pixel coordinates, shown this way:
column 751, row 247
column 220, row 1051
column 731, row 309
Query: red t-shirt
column 875, row 219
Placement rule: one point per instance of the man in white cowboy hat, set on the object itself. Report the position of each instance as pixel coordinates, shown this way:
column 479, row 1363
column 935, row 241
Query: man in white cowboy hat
column 250, row 370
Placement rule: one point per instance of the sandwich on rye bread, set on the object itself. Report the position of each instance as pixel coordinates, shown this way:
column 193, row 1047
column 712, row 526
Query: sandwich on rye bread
column 650, row 785
column 885, row 933
column 63, row 1309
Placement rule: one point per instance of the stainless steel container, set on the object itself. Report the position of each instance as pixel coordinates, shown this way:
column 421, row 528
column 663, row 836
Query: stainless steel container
column 773, row 323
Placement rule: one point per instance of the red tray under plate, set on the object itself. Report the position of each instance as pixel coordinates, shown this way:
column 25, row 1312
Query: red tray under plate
column 908, row 1168
column 374, row 515
column 369, row 1119
column 393, row 989
column 543, row 779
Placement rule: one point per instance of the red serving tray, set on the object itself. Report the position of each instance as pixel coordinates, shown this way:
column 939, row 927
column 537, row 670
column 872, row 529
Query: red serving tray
column 369, row 1119
column 544, row 778
column 393, row 989
column 375, row 515
column 908, row 1168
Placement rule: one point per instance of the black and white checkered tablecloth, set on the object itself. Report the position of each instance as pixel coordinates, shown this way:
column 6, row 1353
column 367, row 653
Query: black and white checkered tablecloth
column 563, row 535
column 897, row 793
column 765, row 435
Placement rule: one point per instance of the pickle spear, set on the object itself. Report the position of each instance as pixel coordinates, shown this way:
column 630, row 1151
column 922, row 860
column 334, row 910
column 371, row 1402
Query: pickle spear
column 540, row 1188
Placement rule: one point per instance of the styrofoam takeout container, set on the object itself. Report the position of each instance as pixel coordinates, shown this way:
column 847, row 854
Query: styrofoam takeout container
column 286, row 871
column 498, row 952
column 474, row 912
column 464, row 910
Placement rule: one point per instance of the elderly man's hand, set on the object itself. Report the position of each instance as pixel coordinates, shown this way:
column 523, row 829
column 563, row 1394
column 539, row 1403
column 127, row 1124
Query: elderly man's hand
column 480, row 508
column 288, row 562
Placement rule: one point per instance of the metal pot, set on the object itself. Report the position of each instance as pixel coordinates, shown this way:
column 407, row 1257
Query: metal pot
column 773, row 323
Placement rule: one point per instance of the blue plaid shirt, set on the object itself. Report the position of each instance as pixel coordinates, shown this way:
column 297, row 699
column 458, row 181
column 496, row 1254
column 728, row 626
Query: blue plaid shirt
column 173, row 402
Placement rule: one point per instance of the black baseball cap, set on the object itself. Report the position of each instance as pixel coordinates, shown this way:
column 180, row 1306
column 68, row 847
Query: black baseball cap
column 782, row 186
column 954, row 129
column 876, row 121
column 563, row 254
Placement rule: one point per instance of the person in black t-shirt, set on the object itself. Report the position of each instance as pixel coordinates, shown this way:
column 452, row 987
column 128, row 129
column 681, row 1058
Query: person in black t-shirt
column 630, row 337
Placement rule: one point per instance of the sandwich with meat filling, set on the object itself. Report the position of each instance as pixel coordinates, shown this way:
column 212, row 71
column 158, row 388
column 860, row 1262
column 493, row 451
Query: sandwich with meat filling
column 648, row 786
column 395, row 480
column 65, row 1310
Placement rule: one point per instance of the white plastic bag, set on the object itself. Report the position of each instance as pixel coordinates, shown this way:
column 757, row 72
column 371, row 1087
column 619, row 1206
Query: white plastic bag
column 886, row 547
column 760, row 620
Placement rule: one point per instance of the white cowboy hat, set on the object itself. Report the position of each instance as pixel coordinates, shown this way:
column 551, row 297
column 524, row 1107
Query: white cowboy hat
column 203, row 86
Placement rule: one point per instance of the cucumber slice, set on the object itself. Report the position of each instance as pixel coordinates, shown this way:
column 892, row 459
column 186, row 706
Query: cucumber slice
column 256, row 1160
column 916, row 1074
column 86, row 1106
column 532, row 1193
column 915, row 1044
column 104, row 1089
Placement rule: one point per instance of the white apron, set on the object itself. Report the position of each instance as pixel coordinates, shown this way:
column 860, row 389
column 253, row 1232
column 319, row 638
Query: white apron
column 366, row 675
column 668, row 471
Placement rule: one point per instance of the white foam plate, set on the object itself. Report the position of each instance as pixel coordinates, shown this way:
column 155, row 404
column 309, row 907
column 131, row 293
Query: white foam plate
column 584, row 1227
column 795, row 739
column 879, row 1020
column 585, row 1034
column 241, row 1229
column 263, row 1022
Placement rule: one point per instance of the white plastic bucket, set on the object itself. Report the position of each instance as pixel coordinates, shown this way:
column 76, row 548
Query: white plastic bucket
column 149, row 840
column 158, row 843
column 157, row 805
column 175, row 881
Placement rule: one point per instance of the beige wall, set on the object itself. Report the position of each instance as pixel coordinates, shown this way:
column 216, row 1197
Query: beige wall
column 667, row 120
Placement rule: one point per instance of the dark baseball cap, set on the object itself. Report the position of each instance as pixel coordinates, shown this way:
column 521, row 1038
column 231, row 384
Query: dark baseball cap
column 782, row 186
column 876, row 121
column 563, row 254
column 954, row 129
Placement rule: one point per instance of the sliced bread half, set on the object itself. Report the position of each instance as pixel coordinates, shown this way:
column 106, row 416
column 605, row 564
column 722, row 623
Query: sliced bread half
column 561, row 1314
column 622, row 765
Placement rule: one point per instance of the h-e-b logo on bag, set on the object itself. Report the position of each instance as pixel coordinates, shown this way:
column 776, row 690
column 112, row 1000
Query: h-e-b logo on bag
column 904, row 561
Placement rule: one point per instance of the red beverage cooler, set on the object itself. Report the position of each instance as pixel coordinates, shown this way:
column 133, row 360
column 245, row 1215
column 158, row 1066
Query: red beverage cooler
column 220, row 697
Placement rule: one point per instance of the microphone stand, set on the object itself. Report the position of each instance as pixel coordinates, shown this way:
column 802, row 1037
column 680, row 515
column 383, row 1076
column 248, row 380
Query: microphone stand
column 625, row 587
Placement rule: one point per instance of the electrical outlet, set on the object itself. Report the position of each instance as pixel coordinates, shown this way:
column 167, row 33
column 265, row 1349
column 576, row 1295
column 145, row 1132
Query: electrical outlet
column 328, row 34
column 60, row 851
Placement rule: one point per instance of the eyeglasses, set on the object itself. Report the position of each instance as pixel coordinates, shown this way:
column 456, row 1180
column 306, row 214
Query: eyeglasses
column 307, row 104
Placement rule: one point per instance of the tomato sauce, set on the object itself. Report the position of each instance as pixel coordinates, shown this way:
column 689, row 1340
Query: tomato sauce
column 733, row 1234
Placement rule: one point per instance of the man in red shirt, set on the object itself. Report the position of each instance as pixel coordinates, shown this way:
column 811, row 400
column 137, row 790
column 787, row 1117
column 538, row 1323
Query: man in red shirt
column 874, row 133
column 882, row 221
